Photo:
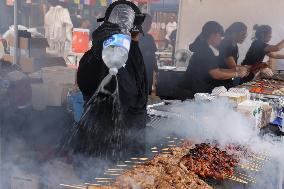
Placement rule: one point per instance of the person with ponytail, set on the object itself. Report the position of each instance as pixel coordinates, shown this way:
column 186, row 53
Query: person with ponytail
column 229, row 51
column 258, row 50
column 203, row 72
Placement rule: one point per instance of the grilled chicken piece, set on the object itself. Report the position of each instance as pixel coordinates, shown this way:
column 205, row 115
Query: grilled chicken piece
column 162, row 172
column 208, row 161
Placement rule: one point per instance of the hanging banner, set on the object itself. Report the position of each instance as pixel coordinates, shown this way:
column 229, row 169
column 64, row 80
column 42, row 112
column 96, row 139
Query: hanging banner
column 111, row 1
column 77, row 1
column 93, row 2
column 90, row 2
column 103, row 3
column 11, row 2
column 145, row 1
column 87, row 2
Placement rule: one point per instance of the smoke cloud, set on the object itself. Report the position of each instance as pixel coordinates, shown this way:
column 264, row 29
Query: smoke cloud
column 219, row 121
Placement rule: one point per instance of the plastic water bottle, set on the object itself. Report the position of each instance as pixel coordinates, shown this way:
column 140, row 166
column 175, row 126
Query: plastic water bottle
column 116, row 48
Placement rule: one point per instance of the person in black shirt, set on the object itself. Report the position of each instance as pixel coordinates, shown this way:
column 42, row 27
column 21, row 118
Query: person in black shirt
column 148, row 49
column 85, row 24
column 133, row 94
column 76, row 21
column 203, row 72
column 173, row 37
column 259, row 49
column 229, row 51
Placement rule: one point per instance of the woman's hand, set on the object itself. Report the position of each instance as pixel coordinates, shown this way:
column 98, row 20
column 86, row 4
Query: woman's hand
column 242, row 71
column 267, row 72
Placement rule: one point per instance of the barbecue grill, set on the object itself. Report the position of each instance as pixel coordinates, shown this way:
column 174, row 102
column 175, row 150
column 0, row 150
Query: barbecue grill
column 243, row 178
column 245, row 174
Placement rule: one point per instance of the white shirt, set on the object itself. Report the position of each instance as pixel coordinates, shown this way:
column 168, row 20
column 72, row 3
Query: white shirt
column 58, row 24
column 214, row 50
column 170, row 27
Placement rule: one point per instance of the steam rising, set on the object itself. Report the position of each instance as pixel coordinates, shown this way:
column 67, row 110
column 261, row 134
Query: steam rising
column 28, row 139
column 218, row 121
column 200, row 121
column 208, row 121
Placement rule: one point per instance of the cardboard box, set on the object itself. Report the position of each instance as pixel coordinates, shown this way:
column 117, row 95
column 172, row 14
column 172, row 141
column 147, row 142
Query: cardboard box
column 29, row 43
column 29, row 65
column 23, row 42
column 32, row 53
column 54, row 97
column 7, row 58
column 39, row 96
column 26, row 64
column 57, row 93
column 48, row 94
column 21, row 52
column 59, row 80
column 59, row 75
column 34, row 47
column 257, row 111
column 236, row 98
column 37, row 53
column 49, row 61
column 24, row 181
column 57, row 172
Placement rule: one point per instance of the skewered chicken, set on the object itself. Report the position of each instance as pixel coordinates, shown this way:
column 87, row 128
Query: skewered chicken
column 162, row 172
column 209, row 161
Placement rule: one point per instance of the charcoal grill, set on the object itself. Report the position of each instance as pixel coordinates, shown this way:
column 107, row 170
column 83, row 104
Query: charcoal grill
column 158, row 113
column 244, row 177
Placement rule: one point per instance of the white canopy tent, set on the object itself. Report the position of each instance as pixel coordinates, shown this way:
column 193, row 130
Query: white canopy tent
column 15, row 60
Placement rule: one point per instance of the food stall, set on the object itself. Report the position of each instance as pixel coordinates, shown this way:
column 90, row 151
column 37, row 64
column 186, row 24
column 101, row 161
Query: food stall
column 184, row 155
column 182, row 160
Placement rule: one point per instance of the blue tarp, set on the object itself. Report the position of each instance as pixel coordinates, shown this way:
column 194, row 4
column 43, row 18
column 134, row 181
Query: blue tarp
column 78, row 105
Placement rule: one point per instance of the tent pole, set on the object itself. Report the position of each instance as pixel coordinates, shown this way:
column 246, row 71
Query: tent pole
column 16, row 44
